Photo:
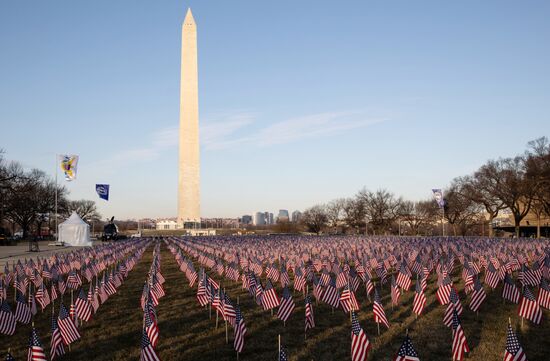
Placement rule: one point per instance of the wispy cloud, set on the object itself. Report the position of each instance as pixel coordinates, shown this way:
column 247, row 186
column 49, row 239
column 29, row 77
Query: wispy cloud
column 218, row 131
column 228, row 130
column 313, row 126
column 227, row 134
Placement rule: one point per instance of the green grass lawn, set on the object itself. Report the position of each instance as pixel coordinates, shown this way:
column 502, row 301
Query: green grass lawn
column 187, row 332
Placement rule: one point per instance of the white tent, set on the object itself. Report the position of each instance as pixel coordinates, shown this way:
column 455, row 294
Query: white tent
column 74, row 232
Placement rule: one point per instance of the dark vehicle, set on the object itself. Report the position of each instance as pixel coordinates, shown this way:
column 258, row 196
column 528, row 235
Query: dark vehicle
column 110, row 231
column 4, row 237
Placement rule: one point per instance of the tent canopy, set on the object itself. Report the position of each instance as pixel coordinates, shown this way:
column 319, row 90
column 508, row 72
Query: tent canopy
column 74, row 231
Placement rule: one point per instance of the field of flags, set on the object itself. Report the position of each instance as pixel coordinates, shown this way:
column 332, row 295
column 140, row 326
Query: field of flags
column 282, row 297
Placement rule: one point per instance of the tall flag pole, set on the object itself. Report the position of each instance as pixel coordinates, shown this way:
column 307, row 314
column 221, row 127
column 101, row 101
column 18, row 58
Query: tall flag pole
column 56, row 230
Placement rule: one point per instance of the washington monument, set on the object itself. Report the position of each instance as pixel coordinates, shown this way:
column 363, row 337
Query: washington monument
column 189, row 162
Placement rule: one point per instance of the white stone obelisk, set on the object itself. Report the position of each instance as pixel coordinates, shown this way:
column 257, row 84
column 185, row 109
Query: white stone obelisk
column 189, row 157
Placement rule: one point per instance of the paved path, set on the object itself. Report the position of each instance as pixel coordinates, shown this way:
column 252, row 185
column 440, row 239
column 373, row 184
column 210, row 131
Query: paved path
column 10, row 254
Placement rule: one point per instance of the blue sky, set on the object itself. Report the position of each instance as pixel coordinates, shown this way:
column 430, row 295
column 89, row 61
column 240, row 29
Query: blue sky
column 300, row 101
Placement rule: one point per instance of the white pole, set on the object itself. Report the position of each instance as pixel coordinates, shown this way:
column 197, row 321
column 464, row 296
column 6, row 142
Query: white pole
column 443, row 221
column 56, row 230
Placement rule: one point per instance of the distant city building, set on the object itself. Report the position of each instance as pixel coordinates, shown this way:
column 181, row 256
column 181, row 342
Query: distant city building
column 283, row 216
column 246, row 219
column 167, row 224
column 259, row 219
column 296, row 215
column 271, row 219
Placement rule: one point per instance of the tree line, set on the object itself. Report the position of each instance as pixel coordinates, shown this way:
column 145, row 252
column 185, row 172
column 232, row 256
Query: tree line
column 27, row 200
column 520, row 185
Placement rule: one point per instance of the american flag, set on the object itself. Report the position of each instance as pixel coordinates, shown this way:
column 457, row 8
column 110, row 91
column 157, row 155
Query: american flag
column 269, row 298
column 299, row 280
column 419, row 301
column 68, row 330
column 36, row 352
column 284, row 279
column 229, row 314
column 22, row 310
column 317, row 288
column 454, row 305
column 330, row 294
column 403, row 277
column 341, row 278
column 353, row 280
column 348, row 300
column 217, row 302
column 9, row 357
column 406, row 351
column 109, row 286
column 57, row 348
column 150, row 322
column 513, row 351
column 42, row 296
column 287, row 305
column 273, row 273
column 73, row 280
column 93, row 297
column 529, row 307
column 147, row 351
column 369, row 286
column 283, row 354
column 360, row 343
column 510, row 292
column 103, row 296
column 395, row 292
column 201, row 293
column 240, row 330
column 61, row 285
column 460, row 345
column 444, row 290
column 310, row 319
column 478, row 296
column 83, row 307
column 7, row 319
column 533, row 276
column 491, row 276
column 259, row 291
column 325, row 278
column 378, row 310
column 543, row 297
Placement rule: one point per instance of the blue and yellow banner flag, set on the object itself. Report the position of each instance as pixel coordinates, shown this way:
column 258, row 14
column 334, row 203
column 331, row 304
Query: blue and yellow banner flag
column 68, row 166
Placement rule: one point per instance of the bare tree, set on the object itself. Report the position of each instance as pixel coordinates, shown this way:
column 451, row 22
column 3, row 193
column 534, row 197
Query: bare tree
column 461, row 212
column 335, row 212
column 477, row 188
column 354, row 214
column 31, row 198
column 537, row 164
column 382, row 208
column 315, row 218
column 419, row 215
column 85, row 209
column 505, row 179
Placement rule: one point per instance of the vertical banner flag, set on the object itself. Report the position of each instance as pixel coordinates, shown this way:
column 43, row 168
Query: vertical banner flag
column 438, row 196
column 102, row 191
column 68, row 166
